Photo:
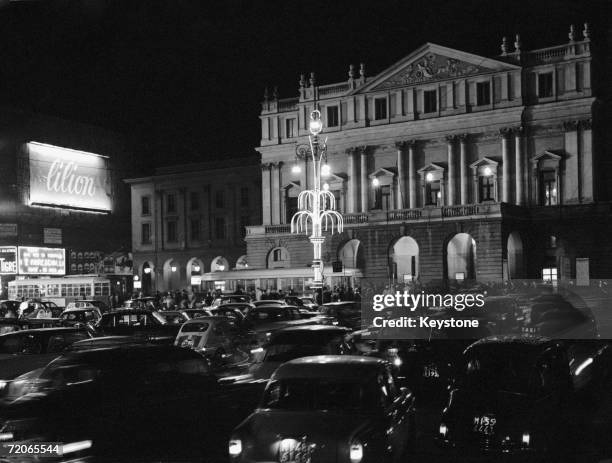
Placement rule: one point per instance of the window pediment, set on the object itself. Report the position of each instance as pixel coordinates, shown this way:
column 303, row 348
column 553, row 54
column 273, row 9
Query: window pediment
column 384, row 172
column 432, row 167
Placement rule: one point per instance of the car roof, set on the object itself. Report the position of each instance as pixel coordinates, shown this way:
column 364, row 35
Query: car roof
column 209, row 318
column 45, row 330
column 339, row 303
column 346, row 367
column 513, row 341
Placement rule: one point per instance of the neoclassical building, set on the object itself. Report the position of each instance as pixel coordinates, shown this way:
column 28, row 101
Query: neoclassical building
column 446, row 166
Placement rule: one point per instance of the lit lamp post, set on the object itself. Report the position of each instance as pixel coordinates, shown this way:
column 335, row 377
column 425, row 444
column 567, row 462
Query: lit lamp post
column 317, row 206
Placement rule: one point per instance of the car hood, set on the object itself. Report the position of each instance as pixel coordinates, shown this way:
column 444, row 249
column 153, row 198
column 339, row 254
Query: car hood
column 329, row 431
column 12, row 365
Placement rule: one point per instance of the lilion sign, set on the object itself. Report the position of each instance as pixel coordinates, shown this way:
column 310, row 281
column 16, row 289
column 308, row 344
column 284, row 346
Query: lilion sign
column 61, row 177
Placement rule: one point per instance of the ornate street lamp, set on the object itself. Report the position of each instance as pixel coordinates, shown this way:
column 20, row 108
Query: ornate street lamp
column 317, row 206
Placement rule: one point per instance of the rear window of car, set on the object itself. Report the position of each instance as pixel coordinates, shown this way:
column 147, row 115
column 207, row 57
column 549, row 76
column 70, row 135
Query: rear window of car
column 195, row 327
column 268, row 314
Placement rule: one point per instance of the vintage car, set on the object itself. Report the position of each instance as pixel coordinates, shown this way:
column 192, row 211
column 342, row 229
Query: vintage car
column 554, row 316
column 512, row 395
column 173, row 317
column 87, row 304
column 218, row 338
column 229, row 298
column 299, row 341
column 39, row 309
column 84, row 315
column 143, row 323
column 102, row 396
column 195, row 313
column 9, row 308
column 26, row 350
column 265, row 319
column 269, row 302
column 329, row 408
column 347, row 313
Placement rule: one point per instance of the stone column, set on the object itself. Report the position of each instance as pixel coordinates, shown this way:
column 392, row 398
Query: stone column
column 353, row 182
column 401, row 176
column 364, row 178
column 412, row 175
column 587, row 192
column 519, row 174
column 505, row 136
column 450, row 141
column 275, row 192
column 266, row 206
column 463, row 172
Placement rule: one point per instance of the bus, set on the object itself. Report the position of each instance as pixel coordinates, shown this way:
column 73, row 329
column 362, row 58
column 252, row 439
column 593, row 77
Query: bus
column 61, row 290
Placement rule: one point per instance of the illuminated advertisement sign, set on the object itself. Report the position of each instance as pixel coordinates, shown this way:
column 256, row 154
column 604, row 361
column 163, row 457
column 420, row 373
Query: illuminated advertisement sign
column 8, row 260
column 41, row 261
column 69, row 178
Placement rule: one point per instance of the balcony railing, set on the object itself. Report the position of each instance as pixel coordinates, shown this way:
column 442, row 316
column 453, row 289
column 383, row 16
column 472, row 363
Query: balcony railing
column 333, row 89
column 287, row 105
column 401, row 215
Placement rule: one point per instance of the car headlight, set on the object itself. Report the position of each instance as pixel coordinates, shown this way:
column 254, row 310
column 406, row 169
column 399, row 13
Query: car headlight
column 443, row 430
column 356, row 451
column 235, row 447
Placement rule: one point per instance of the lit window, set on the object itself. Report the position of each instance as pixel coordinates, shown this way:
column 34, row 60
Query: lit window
column 549, row 274
column 382, row 197
column 433, row 193
column 486, row 185
column 548, row 193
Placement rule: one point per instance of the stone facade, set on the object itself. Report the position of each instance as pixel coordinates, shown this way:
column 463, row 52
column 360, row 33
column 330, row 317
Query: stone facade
column 189, row 220
column 491, row 165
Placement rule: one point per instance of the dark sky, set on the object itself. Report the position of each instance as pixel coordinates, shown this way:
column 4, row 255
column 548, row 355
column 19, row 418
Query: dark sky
column 187, row 77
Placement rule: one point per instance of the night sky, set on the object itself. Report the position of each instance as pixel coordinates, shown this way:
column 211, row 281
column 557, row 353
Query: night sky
column 184, row 79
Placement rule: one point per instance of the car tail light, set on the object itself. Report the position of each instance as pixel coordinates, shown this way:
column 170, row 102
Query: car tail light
column 356, row 451
column 235, row 447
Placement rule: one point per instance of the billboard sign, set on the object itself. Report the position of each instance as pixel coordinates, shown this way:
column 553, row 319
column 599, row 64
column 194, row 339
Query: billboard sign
column 69, row 178
column 41, row 261
column 8, row 260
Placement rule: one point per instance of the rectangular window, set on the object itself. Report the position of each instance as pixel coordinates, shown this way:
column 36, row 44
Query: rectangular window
column 290, row 128
column 219, row 199
column 545, row 85
column 146, row 233
column 483, row 93
column 171, row 231
column 382, row 197
column 145, row 205
column 194, row 201
column 195, row 229
column 549, row 274
column 291, row 206
column 332, row 116
column 220, row 228
column 485, row 186
column 548, row 180
column 171, row 203
column 430, row 103
column 380, row 108
column 244, row 196
column 433, row 193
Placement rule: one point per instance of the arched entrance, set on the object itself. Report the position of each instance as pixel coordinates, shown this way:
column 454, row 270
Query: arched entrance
column 194, row 271
column 461, row 257
column 219, row 264
column 515, row 256
column 351, row 254
column 172, row 275
column 404, row 259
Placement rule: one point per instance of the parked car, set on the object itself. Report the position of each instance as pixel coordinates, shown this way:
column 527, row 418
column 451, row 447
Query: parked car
column 143, row 323
column 328, row 408
column 195, row 313
column 269, row 302
column 218, row 338
column 9, row 325
column 299, row 341
column 265, row 319
column 511, row 396
column 553, row 316
column 173, row 317
column 228, row 298
column 40, row 309
column 9, row 308
column 87, row 304
column 26, row 350
column 347, row 313
column 75, row 316
column 157, row 398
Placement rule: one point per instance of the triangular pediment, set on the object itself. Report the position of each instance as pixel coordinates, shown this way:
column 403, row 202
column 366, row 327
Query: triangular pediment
column 292, row 185
column 484, row 161
column 383, row 172
column 432, row 63
column 546, row 155
column 432, row 167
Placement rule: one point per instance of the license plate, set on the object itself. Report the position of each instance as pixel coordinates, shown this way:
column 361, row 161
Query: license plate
column 293, row 451
column 431, row 371
column 484, row 425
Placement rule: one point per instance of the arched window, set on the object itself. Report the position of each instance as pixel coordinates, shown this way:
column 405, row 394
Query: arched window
column 278, row 258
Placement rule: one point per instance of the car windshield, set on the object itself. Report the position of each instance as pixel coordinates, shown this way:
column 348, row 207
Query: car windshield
column 321, row 394
column 174, row 318
column 79, row 316
column 347, row 310
column 492, row 371
column 200, row 327
column 268, row 314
